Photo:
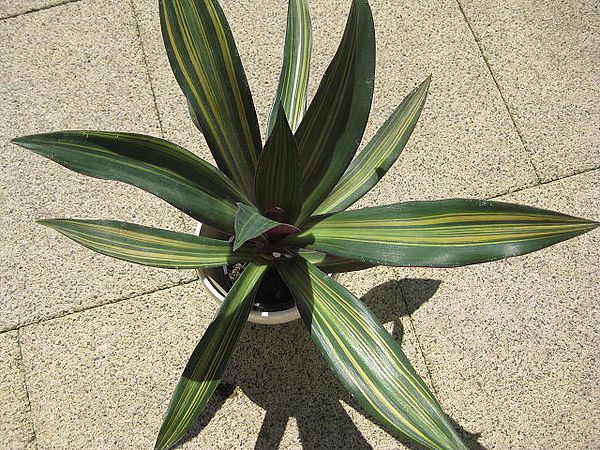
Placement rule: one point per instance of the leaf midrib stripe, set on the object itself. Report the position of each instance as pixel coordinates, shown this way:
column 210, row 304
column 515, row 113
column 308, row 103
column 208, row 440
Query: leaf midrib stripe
column 327, row 127
column 144, row 255
column 353, row 313
column 347, row 184
column 243, row 297
column 226, row 52
column 145, row 237
column 358, row 368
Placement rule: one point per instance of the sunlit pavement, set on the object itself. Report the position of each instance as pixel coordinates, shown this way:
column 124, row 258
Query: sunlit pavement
column 91, row 348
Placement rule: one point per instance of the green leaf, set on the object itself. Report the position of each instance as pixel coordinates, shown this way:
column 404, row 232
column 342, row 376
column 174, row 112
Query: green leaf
column 155, row 165
column 207, row 66
column 208, row 361
column 379, row 155
column 332, row 128
column 249, row 223
column 278, row 183
column 293, row 81
column 148, row 246
column 442, row 233
column 366, row 359
column 332, row 264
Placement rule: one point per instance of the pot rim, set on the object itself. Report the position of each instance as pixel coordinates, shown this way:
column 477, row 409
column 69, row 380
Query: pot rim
column 260, row 317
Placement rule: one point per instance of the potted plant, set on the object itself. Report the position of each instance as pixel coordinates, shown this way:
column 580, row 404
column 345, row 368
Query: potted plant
column 278, row 210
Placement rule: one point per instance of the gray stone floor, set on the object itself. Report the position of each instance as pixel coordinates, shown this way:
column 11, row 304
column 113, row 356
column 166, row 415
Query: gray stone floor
column 91, row 348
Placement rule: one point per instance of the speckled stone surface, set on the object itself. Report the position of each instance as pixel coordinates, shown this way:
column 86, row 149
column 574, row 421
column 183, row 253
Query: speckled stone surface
column 16, row 431
column 102, row 378
column 546, row 58
column 76, row 66
column 465, row 144
column 11, row 8
column 510, row 348
column 513, row 346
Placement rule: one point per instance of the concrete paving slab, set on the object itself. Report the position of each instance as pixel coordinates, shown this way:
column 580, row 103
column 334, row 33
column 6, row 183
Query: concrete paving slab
column 513, row 346
column 465, row 145
column 501, row 340
column 545, row 57
column 77, row 66
column 102, row 378
column 10, row 8
column 16, row 430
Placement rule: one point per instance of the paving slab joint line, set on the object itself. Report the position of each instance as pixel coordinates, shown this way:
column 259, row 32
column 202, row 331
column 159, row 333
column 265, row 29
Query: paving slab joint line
column 421, row 351
column 115, row 302
column 41, row 8
column 543, row 183
column 508, row 191
column 182, row 217
column 147, row 66
column 489, row 67
column 30, row 412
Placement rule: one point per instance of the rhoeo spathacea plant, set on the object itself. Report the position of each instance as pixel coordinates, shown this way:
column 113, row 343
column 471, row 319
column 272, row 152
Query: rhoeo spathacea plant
column 281, row 209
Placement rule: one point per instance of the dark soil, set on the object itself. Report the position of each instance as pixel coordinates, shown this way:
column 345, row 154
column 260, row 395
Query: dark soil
column 272, row 295
column 234, row 272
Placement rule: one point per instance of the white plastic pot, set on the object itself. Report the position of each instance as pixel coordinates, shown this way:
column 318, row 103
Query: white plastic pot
column 215, row 288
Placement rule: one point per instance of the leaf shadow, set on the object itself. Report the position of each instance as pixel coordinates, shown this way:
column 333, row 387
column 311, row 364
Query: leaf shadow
column 281, row 370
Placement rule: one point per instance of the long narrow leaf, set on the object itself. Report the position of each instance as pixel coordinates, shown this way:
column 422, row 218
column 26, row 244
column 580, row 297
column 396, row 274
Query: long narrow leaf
column 148, row 246
column 208, row 361
column 293, row 81
column 331, row 263
column 206, row 63
column 443, row 233
column 154, row 165
column 249, row 223
column 383, row 150
column 278, row 183
column 333, row 126
column 366, row 359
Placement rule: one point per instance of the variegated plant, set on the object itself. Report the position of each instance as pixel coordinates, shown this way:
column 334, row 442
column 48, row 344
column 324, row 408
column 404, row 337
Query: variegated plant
column 283, row 203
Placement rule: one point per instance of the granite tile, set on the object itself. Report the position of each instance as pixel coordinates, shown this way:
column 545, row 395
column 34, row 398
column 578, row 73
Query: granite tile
column 465, row 144
column 78, row 66
column 11, row 8
column 16, row 429
column 513, row 346
column 545, row 57
column 102, row 378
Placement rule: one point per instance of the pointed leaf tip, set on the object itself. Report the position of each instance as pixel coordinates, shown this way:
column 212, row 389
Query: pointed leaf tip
column 333, row 126
column 379, row 154
column 277, row 182
column 206, row 64
column 207, row 363
column 293, row 80
column 440, row 233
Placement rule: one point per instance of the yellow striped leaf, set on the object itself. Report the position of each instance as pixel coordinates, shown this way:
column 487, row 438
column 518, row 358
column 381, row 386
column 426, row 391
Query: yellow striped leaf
column 207, row 66
column 366, row 359
column 332, row 128
column 383, row 150
column 293, row 81
column 148, row 246
column 443, row 233
column 278, row 183
column 209, row 360
column 154, row 165
column 331, row 263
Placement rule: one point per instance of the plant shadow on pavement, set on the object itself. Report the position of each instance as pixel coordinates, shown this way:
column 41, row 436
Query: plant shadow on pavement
column 282, row 371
